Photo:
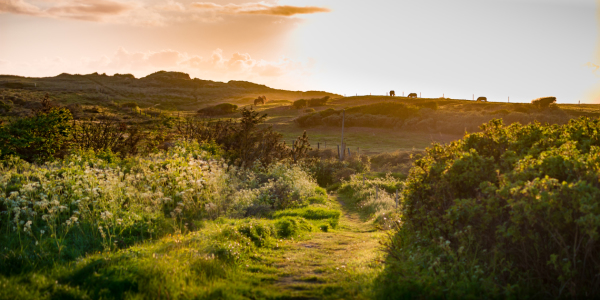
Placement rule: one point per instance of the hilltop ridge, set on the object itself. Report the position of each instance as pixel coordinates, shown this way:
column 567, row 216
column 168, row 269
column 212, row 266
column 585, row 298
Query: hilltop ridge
column 165, row 89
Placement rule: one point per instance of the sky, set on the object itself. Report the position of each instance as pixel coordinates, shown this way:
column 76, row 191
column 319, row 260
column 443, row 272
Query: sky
column 506, row 50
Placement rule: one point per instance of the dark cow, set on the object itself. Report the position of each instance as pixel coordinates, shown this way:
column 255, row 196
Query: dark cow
column 260, row 100
column 392, row 94
column 412, row 95
column 481, row 99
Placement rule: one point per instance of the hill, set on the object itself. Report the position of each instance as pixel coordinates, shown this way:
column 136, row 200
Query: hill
column 164, row 90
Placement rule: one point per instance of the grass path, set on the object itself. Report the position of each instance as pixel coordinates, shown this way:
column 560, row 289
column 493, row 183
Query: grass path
column 339, row 264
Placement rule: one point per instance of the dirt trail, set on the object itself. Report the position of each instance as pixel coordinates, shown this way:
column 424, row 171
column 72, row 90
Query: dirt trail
column 330, row 264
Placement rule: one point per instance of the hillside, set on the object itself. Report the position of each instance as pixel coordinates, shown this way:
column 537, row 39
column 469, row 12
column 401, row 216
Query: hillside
column 164, row 90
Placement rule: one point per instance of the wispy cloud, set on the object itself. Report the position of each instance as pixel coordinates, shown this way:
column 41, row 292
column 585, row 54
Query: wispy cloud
column 89, row 10
column 258, row 8
column 595, row 68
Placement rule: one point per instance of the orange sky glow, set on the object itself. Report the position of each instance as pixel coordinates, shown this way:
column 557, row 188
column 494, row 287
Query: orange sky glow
column 522, row 49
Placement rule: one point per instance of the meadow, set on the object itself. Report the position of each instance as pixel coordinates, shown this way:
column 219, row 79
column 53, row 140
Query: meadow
column 438, row 198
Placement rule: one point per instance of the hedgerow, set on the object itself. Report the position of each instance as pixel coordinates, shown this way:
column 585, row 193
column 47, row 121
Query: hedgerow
column 512, row 210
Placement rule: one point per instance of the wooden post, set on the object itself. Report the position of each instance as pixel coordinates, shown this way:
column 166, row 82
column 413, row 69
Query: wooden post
column 343, row 119
column 396, row 199
column 318, row 144
column 348, row 151
column 339, row 155
column 363, row 179
column 376, row 192
column 357, row 150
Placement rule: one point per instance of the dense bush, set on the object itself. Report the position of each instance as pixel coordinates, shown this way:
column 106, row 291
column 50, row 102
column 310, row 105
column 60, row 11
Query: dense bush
column 310, row 102
column 512, row 209
column 37, row 138
column 244, row 141
column 543, row 102
column 331, row 170
column 107, row 135
column 219, row 109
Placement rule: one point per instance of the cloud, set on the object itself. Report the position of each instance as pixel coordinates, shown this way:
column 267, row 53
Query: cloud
column 89, row 10
column 172, row 6
column 258, row 8
column 19, row 7
column 595, row 68
column 214, row 66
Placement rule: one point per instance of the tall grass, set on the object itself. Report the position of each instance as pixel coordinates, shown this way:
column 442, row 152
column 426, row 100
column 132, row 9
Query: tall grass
column 91, row 201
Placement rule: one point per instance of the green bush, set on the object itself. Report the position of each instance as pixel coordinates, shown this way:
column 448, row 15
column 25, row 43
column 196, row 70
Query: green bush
column 543, row 102
column 310, row 102
column 521, row 202
column 37, row 138
column 292, row 226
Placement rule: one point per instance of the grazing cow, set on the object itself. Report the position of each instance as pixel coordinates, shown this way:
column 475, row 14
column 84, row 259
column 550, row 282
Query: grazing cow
column 412, row 95
column 392, row 94
column 260, row 100
column 481, row 99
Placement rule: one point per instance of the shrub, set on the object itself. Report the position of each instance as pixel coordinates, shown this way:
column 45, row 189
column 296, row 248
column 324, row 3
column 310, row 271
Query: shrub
column 298, row 104
column 327, row 171
column 543, row 102
column 108, row 135
column 292, row 226
column 219, row 109
column 310, row 102
column 37, row 138
column 243, row 141
column 514, row 201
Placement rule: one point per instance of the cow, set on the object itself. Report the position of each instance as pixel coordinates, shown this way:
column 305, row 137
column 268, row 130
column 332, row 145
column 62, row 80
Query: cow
column 412, row 95
column 260, row 100
column 481, row 99
column 392, row 93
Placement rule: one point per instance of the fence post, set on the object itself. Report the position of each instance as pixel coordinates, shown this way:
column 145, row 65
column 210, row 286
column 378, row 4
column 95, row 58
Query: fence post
column 339, row 155
column 396, row 199
column 376, row 192
column 343, row 119
column 349, row 152
column 363, row 179
column 318, row 145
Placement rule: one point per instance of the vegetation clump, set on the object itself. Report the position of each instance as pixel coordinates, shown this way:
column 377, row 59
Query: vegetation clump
column 302, row 103
column 219, row 109
column 510, row 210
column 543, row 102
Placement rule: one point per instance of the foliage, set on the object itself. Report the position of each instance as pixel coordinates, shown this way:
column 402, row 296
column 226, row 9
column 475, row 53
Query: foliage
column 374, row 197
column 302, row 103
column 329, row 171
column 108, row 135
column 543, row 102
column 244, row 141
column 37, row 138
column 94, row 201
column 219, row 109
column 517, row 206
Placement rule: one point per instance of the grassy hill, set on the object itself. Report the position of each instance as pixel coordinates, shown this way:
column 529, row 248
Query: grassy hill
column 164, row 90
